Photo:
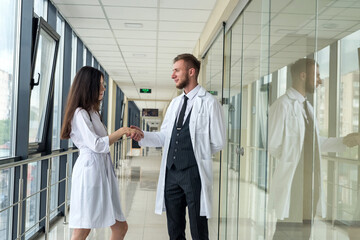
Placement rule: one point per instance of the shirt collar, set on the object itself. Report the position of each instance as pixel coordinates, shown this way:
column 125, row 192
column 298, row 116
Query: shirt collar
column 193, row 92
column 295, row 94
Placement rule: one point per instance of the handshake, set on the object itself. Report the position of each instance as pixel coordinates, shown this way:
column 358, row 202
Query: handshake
column 135, row 133
column 352, row 139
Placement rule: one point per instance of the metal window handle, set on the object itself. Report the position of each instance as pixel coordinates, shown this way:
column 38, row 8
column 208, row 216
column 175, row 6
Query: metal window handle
column 240, row 150
column 33, row 83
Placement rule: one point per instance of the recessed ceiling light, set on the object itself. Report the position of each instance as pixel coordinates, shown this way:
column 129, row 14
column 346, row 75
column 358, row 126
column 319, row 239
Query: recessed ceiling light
column 133, row 25
column 329, row 25
column 139, row 55
column 285, row 31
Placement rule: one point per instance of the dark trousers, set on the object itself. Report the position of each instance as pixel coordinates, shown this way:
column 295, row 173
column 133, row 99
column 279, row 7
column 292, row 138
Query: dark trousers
column 182, row 188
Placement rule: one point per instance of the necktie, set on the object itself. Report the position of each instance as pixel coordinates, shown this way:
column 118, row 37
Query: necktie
column 182, row 114
column 311, row 167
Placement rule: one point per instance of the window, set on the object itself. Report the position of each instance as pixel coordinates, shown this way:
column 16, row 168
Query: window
column 322, row 92
column 8, row 77
column 282, row 79
column 40, row 8
column 349, row 89
column 44, row 58
column 60, row 29
column 43, row 70
column 6, row 190
column 33, row 202
column 9, row 25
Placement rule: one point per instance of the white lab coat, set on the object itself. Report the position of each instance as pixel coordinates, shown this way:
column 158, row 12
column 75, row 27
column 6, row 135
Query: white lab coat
column 286, row 138
column 95, row 199
column 207, row 131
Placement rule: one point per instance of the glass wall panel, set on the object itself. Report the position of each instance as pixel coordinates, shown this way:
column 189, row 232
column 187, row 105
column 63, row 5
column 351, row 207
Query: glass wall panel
column 33, row 202
column 40, row 8
column 322, row 93
column 224, row 160
column 212, row 69
column 8, row 48
column 290, row 207
column 300, row 58
column 246, row 90
column 338, row 41
column 57, row 116
column 349, row 89
column 232, row 157
column 9, row 32
column 6, row 190
column 70, row 157
column 253, row 128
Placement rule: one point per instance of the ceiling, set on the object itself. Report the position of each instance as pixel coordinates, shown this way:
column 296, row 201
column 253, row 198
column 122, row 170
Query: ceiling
column 136, row 40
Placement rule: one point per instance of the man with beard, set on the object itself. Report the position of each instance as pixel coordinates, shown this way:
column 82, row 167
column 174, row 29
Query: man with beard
column 193, row 129
column 296, row 185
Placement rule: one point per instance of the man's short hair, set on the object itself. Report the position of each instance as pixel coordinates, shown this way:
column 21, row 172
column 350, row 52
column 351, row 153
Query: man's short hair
column 301, row 65
column 190, row 60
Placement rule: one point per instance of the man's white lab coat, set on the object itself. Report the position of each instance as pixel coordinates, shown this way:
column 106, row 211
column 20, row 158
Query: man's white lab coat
column 286, row 139
column 207, row 133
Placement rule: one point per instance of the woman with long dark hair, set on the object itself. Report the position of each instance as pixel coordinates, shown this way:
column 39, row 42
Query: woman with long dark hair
column 95, row 200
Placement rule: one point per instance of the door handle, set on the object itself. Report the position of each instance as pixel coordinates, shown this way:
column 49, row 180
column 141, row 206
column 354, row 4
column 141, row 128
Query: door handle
column 240, row 150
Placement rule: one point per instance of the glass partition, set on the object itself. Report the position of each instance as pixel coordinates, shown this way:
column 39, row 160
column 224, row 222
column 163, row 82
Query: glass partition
column 33, row 200
column 9, row 44
column 8, row 75
column 212, row 67
column 290, row 169
column 60, row 29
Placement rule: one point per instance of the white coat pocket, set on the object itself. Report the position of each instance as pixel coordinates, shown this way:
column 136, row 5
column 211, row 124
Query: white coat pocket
column 202, row 124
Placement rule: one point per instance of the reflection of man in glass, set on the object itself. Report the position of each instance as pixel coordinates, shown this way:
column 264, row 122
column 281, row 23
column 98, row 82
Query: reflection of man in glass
column 296, row 189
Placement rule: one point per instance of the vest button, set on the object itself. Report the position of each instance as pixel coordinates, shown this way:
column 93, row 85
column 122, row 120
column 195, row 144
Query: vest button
column 177, row 134
column 175, row 150
column 177, row 142
column 174, row 157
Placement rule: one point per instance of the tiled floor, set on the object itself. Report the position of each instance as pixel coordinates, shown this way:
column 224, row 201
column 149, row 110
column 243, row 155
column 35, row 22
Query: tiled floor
column 137, row 186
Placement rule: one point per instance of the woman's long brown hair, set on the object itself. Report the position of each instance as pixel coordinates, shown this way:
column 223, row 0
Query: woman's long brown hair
column 84, row 93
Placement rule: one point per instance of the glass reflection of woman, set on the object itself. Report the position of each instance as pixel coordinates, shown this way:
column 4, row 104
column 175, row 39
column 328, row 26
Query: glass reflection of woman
column 95, row 200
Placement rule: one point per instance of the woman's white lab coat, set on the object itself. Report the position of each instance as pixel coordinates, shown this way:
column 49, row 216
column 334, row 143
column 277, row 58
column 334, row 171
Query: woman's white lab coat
column 286, row 139
column 95, row 199
column 207, row 133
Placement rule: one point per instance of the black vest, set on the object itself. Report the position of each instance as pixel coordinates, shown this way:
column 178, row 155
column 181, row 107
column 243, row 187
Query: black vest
column 181, row 153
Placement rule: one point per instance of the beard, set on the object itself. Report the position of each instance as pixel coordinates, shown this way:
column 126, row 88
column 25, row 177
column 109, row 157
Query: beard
column 184, row 83
column 309, row 86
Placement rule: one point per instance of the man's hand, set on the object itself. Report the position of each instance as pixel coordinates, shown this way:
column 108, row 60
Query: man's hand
column 352, row 139
column 135, row 127
column 136, row 133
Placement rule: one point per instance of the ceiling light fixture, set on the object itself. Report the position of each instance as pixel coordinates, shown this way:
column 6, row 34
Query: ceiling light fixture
column 133, row 25
column 329, row 25
column 139, row 55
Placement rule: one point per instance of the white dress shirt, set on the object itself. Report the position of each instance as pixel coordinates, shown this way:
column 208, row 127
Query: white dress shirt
column 191, row 98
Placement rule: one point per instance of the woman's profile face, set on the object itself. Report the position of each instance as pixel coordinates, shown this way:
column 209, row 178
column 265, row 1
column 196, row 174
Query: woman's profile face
column 102, row 89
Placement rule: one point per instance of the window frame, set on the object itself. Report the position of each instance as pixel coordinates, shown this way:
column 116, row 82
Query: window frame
column 39, row 24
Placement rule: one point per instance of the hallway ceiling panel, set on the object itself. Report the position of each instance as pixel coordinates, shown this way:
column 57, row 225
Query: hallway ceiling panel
column 81, row 11
column 87, row 23
column 131, row 3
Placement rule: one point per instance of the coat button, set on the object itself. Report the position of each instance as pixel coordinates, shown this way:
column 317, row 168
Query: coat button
column 175, row 150
column 176, row 142
column 174, row 157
